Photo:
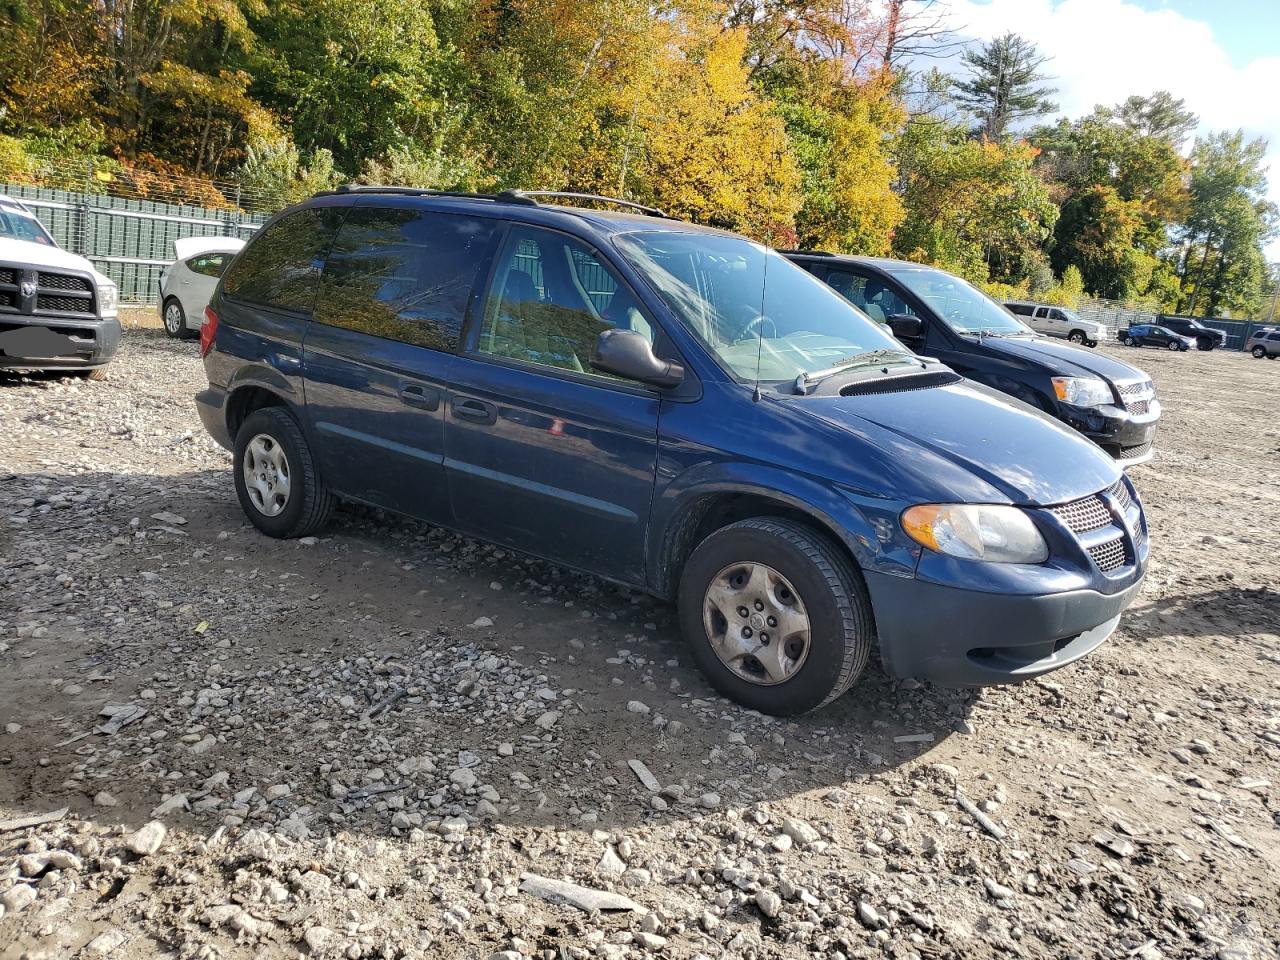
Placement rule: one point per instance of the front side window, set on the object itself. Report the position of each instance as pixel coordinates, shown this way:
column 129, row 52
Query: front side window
column 551, row 298
column 756, row 311
column 19, row 225
column 278, row 268
column 873, row 297
column 404, row 274
column 964, row 308
column 209, row 264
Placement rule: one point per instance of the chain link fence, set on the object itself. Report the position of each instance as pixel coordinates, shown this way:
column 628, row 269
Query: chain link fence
column 125, row 221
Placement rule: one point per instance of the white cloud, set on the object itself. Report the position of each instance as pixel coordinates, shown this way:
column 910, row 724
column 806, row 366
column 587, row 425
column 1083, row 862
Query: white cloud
column 1104, row 50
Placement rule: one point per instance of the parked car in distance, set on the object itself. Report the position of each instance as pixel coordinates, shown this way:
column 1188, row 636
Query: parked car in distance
column 1058, row 322
column 1151, row 335
column 939, row 314
column 187, row 284
column 671, row 407
column 56, row 311
column 1264, row 343
column 1204, row 338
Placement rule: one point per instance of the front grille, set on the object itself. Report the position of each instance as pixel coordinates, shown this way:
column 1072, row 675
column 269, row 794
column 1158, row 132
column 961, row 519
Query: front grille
column 7, row 275
column 56, row 304
column 1110, row 555
column 1121, row 493
column 6, row 298
column 1137, row 396
column 1138, row 406
column 1139, row 450
column 1138, row 386
column 1081, row 516
column 62, row 281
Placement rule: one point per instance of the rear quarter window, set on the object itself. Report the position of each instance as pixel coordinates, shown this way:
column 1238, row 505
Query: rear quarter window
column 278, row 267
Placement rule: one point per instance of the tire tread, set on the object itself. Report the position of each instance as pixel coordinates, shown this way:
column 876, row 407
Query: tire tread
column 318, row 500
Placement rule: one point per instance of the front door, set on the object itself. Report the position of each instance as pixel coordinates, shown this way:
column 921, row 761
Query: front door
column 544, row 454
column 378, row 352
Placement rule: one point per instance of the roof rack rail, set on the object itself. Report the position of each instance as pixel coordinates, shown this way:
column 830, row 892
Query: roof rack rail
column 418, row 192
column 528, row 196
column 810, row 253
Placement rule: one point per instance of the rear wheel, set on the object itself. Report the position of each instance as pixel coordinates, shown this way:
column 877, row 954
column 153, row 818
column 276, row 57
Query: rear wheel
column 279, row 487
column 776, row 617
column 1259, row 352
column 175, row 320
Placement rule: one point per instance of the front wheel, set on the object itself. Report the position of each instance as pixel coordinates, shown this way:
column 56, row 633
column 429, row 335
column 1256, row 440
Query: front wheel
column 1076, row 336
column 1204, row 343
column 776, row 617
column 1258, row 352
column 1176, row 346
column 1127, row 341
column 277, row 483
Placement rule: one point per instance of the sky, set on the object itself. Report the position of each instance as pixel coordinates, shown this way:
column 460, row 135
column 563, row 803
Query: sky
column 1221, row 56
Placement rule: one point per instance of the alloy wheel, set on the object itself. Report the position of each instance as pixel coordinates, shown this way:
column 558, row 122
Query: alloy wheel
column 173, row 319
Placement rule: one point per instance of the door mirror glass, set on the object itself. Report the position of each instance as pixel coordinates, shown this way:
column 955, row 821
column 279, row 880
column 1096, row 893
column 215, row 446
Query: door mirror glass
column 906, row 327
column 625, row 353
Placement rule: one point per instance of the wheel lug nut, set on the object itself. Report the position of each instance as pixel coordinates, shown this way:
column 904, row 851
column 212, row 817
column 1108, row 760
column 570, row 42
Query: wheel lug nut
column 746, row 633
column 773, row 621
column 759, row 605
column 764, row 638
column 743, row 612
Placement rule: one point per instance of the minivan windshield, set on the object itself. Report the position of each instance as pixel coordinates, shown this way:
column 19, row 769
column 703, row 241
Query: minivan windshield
column 759, row 313
column 964, row 308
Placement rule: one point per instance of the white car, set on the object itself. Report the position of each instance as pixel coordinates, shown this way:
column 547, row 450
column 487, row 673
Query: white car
column 56, row 311
column 1058, row 322
column 187, row 284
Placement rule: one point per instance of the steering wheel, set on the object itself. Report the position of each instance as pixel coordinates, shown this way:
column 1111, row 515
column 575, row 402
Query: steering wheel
column 756, row 328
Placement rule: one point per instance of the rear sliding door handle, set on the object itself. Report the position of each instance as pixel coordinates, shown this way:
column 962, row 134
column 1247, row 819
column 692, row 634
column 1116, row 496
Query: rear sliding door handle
column 416, row 395
column 468, row 408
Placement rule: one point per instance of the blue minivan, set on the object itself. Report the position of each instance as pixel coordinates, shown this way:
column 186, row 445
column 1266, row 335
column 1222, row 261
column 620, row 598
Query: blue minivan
column 671, row 407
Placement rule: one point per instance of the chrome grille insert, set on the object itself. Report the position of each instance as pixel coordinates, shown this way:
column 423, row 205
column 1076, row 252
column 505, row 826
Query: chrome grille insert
column 1083, row 515
column 1110, row 555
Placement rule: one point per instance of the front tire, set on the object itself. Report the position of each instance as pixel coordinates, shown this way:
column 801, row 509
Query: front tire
column 1204, row 343
column 1176, row 346
column 277, row 483
column 175, row 320
column 1076, row 336
column 776, row 617
column 1128, row 341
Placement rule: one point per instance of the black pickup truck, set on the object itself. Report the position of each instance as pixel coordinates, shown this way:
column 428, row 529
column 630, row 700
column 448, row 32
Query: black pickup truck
column 1206, row 337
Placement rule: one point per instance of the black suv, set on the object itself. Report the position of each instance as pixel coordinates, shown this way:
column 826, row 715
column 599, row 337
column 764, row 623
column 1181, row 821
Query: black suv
column 1206, row 338
column 940, row 315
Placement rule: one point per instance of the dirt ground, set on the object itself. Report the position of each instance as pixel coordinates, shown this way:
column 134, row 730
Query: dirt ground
column 365, row 745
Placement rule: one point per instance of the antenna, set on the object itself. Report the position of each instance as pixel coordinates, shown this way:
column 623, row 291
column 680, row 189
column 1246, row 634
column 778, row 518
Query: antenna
column 764, row 289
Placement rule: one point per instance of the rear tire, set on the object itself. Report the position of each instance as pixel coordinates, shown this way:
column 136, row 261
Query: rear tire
column 803, row 575
column 1259, row 352
column 307, row 503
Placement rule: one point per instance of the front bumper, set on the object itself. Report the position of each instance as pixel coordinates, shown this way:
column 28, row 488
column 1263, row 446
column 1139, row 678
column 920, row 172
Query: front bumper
column 56, row 343
column 1126, row 436
column 957, row 638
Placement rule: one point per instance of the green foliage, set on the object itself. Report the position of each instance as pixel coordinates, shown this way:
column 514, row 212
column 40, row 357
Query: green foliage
column 274, row 174
column 1005, row 84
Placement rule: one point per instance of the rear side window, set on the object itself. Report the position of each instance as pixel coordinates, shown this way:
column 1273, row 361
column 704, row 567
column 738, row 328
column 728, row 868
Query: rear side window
column 1021, row 309
column 278, row 267
column 874, row 298
column 404, row 274
column 209, row 264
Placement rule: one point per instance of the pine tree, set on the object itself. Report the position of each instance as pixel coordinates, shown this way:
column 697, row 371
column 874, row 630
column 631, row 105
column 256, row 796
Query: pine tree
column 1004, row 85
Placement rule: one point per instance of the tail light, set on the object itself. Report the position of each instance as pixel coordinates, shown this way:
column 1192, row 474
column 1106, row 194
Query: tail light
column 207, row 330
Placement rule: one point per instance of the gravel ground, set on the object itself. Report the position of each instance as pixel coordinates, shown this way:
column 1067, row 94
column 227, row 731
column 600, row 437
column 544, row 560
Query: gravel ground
column 388, row 742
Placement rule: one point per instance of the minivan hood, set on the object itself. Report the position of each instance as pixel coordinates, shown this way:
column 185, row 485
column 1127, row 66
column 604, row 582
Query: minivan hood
column 1066, row 359
column 973, row 444
column 42, row 255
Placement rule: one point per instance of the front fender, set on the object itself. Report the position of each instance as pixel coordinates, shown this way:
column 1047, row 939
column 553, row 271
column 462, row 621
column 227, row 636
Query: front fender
column 866, row 525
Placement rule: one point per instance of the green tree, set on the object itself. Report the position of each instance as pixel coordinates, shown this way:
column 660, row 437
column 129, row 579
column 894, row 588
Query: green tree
column 1160, row 115
column 1005, row 84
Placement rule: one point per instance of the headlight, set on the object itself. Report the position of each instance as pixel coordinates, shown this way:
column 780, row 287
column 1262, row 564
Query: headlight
column 976, row 532
column 107, row 297
column 1082, row 391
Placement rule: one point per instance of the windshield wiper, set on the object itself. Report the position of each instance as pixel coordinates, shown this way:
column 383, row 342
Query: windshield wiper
column 866, row 358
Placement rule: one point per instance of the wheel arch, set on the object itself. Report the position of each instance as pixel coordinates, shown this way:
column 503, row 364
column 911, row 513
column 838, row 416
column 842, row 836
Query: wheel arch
column 254, row 388
column 700, row 510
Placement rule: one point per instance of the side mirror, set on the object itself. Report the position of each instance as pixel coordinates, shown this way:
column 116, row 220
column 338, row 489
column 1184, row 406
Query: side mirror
column 626, row 353
column 905, row 326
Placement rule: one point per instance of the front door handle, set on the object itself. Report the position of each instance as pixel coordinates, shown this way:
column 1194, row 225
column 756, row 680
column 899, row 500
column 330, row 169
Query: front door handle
column 416, row 395
column 469, row 408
